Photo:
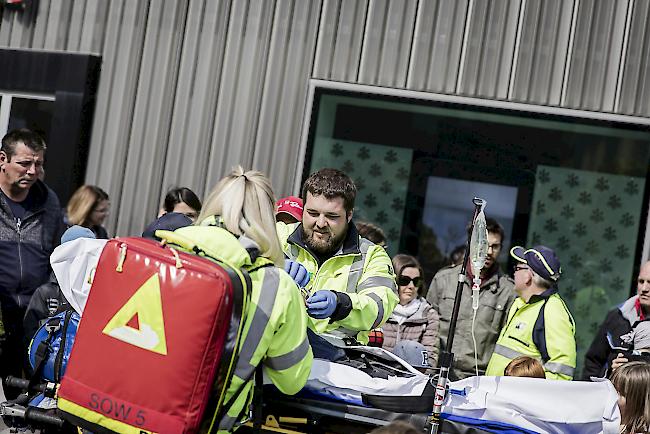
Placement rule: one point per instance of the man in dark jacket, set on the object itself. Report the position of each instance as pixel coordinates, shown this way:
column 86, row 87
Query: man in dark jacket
column 618, row 322
column 31, row 224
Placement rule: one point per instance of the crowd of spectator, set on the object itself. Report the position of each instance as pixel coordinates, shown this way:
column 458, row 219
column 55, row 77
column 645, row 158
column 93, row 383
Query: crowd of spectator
column 520, row 325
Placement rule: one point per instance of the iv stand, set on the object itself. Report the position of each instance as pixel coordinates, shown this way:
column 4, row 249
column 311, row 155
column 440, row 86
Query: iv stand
column 447, row 356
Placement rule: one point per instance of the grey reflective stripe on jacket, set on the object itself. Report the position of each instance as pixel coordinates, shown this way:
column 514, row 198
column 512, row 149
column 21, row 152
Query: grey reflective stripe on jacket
column 559, row 368
column 289, row 359
column 228, row 422
column 511, row 354
column 506, row 352
column 356, row 269
column 261, row 317
column 353, row 285
column 380, row 310
column 373, row 281
column 293, row 252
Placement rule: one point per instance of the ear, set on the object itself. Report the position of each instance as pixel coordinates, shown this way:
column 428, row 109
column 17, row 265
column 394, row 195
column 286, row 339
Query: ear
column 350, row 215
column 529, row 278
column 4, row 158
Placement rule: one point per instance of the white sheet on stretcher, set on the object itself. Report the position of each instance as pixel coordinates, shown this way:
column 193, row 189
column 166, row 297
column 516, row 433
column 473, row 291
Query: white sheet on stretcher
column 539, row 405
column 348, row 383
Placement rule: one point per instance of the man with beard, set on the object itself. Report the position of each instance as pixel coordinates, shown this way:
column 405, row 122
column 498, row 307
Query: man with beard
column 348, row 281
column 496, row 296
column 31, row 224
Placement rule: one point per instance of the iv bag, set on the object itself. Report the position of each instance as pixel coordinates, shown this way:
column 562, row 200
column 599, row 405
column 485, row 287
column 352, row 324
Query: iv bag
column 479, row 244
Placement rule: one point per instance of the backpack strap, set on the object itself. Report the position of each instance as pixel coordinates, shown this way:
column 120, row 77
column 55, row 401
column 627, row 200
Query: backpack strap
column 58, row 362
column 52, row 326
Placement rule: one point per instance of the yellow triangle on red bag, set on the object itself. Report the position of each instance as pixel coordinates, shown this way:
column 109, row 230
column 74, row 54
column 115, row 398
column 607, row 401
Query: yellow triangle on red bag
column 146, row 304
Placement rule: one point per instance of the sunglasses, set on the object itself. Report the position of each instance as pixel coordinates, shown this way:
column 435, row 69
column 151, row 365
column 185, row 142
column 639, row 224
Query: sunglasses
column 405, row 280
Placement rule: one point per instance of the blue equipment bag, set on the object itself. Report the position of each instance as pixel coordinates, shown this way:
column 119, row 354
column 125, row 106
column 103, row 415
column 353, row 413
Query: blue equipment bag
column 50, row 348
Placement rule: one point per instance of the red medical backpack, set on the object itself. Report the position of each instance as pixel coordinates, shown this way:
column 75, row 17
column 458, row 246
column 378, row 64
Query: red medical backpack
column 157, row 342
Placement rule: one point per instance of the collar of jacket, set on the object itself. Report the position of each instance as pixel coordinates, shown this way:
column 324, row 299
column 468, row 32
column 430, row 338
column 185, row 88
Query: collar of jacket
column 350, row 243
column 543, row 296
column 40, row 194
column 628, row 310
column 212, row 237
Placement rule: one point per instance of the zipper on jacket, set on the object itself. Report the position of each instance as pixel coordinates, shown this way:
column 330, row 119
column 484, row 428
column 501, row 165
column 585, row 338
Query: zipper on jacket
column 19, row 223
column 20, row 256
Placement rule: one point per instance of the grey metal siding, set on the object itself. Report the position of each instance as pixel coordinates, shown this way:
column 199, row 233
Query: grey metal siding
column 437, row 44
column 190, row 88
column 542, row 52
column 635, row 90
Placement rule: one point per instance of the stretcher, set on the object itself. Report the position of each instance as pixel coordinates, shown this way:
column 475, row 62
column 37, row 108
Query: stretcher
column 474, row 405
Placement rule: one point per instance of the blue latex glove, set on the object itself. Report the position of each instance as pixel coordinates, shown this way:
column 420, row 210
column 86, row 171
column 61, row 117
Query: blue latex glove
column 297, row 271
column 321, row 304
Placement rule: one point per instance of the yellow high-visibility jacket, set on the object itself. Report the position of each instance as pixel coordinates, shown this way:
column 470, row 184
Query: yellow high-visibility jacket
column 361, row 269
column 275, row 327
column 544, row 329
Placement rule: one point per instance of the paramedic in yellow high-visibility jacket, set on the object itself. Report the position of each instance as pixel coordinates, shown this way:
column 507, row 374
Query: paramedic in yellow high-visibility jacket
column 237, row 224
column 350, row 282
column 539, row 324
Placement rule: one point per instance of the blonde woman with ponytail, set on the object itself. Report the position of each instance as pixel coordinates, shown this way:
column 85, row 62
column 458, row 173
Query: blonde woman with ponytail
column 237, row 221
column 245, row 203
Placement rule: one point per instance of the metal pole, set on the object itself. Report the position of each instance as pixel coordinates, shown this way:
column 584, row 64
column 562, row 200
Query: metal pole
column 447, row 356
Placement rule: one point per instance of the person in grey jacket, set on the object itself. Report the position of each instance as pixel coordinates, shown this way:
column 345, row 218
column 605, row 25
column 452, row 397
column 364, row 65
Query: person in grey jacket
column 496, row 295
column 413, row 318
column 31, row 224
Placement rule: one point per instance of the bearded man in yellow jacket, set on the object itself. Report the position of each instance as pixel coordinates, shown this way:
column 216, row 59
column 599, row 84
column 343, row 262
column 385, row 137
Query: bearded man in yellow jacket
column 348, row 281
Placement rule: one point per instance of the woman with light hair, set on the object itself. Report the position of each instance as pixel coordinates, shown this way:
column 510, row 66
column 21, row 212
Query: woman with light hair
column 238, row 222
column 244, row 203
column 88, row 207
column 632, row 382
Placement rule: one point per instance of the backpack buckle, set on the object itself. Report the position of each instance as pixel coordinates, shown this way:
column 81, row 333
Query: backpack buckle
column 53, row 326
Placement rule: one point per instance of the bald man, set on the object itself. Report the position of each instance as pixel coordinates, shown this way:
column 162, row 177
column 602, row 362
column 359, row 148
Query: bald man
column 618, row 322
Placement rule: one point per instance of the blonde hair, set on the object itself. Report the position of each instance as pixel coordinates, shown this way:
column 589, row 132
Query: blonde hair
column 245, row 202
column 632, row 381
column 525, row 366
column 83, row 202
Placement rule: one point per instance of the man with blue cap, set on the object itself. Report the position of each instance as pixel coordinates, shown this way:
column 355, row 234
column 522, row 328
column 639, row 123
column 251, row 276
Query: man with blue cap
column 539, row 323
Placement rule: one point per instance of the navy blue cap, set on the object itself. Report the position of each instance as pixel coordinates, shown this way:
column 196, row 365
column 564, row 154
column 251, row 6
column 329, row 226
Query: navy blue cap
column 166, row 222
column 541, row 259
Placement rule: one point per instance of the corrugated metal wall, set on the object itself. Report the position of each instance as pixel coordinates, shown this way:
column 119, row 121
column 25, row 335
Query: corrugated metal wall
column 191, row 87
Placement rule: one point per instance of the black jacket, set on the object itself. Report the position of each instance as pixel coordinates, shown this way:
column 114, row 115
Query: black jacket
column 25, row 249
column 600, row 354
column 47, row 301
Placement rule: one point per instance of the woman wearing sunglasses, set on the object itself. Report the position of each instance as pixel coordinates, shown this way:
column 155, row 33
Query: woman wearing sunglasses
column 413, row 318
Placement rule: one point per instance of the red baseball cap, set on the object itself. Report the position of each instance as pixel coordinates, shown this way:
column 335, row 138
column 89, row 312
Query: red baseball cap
column 291, row 205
